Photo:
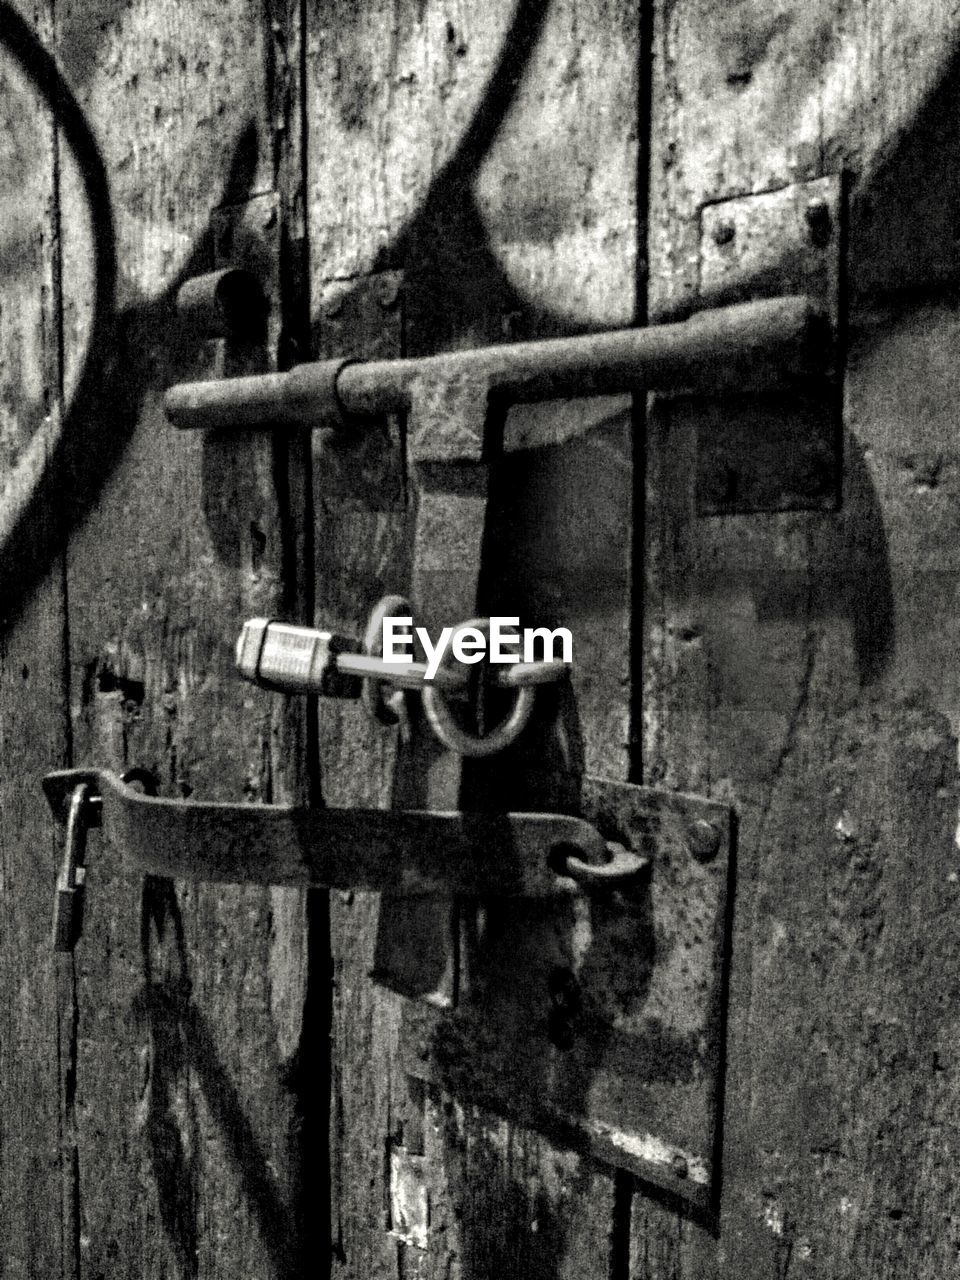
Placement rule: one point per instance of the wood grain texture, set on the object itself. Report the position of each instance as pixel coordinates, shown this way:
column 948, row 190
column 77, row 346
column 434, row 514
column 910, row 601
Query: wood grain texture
column 803, row 666
column 35, row 1137
column 189, row 1093
column 485, row 154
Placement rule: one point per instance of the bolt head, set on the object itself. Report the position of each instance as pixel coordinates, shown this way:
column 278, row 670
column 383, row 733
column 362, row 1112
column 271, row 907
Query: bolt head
column 703, row 840
column 724, row 233
column 679, row 1166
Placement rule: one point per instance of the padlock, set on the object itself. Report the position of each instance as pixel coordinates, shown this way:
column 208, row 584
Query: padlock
column 291, row 659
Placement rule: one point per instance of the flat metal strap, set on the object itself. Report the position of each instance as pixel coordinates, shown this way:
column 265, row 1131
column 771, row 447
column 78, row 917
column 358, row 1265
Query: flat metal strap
column 407, row 853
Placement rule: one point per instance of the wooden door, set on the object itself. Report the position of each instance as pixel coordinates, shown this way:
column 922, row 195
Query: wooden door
column 803, row 663
column 157, row 1118
column 218, row 1082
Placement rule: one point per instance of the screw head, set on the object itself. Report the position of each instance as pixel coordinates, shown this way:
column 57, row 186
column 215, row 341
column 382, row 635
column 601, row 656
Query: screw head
column 388, row 292
column 703, row 840
column 679, row 1165
column 724, row 233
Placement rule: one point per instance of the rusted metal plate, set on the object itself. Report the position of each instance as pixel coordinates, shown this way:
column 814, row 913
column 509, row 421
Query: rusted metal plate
column 774, row 243
column 606, row 1030
column 362, row 317
column 773, row 450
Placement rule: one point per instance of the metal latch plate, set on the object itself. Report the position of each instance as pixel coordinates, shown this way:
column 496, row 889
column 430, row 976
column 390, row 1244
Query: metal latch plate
column 601, row 1023
column 248, row 235
column 362, row 317
column 773, row 451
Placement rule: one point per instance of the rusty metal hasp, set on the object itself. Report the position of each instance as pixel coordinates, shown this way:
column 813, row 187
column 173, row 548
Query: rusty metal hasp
column 409, row 853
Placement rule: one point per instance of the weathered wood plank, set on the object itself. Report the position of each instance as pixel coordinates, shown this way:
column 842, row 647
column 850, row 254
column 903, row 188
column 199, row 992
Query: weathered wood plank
column 189, row 1094
column 796, row 664
column 35, row 1204
column 491, row 156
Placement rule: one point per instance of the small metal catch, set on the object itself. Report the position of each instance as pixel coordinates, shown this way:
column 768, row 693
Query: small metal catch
column 622, row 870
column 68, row 900
column 225, row 303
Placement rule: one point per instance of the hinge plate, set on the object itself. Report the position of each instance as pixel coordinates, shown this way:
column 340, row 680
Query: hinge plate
column 602, row 1024
column 773, row 451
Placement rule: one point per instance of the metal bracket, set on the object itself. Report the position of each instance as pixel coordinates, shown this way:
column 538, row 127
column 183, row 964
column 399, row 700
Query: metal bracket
column 772, row 450
column 604, row 1028
column 238, row 301
column 361, row 317
column 246, row 236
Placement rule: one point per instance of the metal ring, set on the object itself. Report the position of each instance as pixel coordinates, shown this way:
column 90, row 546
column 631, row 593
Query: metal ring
column 462, row 743
column 622, row 869
column 385, row 710
column 457, row 739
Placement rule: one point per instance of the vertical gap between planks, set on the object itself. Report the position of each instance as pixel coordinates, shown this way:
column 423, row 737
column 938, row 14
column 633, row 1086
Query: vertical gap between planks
column 624, row 1183
column 315, row 1209
column 639, row 415
column 67, row 1010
